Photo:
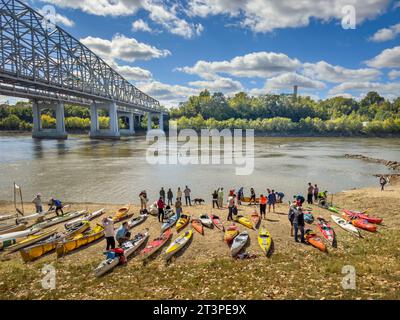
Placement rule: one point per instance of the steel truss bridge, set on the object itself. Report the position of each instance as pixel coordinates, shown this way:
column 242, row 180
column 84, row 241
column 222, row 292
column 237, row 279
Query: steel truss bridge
column 50, row 65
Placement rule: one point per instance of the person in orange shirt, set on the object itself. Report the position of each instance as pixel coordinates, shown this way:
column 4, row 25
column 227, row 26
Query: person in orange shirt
column 263, row 205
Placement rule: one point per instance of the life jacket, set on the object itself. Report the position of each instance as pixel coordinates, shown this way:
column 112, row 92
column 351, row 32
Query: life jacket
column 263, row 200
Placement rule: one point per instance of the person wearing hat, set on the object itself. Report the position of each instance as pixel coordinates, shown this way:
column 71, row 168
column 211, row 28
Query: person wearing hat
column 38, row 203
column 108, row 225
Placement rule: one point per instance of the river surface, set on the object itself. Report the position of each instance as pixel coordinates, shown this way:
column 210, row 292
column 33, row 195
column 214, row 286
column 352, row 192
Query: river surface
column 84, row 170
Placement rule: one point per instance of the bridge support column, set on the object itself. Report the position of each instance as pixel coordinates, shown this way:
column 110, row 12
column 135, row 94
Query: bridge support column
column 149, row 121
column 161, row 121
column 131, row 119
column 113, row 131
column 57, row 133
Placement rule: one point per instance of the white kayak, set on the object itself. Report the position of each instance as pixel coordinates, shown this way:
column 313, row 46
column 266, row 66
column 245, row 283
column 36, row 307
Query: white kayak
column 136, row 221
column 346, row 225
column 86, row 217
column 129, row 248
column 35, row 216
column 206, row 220
column 59, row 219
column 169, row 223
column 239, row 242
column 19, row 234
column 7, row 217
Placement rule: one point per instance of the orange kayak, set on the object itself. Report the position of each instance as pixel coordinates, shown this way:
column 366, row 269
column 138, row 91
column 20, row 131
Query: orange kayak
column 364, row 224
column 231, row 233
column 255, row 218
column 198, row 226
column 314, row 240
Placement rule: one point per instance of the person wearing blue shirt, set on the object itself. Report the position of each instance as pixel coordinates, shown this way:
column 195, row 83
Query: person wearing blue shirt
column 280, row 196
column 271, row 201
column 123, row 234
column 56, row 205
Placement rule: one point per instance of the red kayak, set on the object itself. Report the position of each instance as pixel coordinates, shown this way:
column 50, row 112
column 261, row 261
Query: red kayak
column 255, row 219
column 326, row 230
column 362, row 215
column 364, row 224
column 217, row 222
column 156, row 244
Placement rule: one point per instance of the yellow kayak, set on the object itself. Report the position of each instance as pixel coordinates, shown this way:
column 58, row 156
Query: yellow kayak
column 245, row 221
column 39, row 249
column 32, row 239
column 122, row 213
column 178, row 243
column 264, row 240
column 182, row 222
column 80, row 240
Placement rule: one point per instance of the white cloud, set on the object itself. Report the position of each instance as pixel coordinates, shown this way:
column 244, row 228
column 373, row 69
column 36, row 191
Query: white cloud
column 132, row 73
column 168, row 95
column 59, row 19
column 165, row 14
column 336, row 74
column 258, row 64
column 123, row 48
column 388, row 90
column 389, row 58
column 101, row 7
column 225, row 85
column 394, row 74
column 140, row 25
column 288, row 80
column 386, row 34
column 267, row 15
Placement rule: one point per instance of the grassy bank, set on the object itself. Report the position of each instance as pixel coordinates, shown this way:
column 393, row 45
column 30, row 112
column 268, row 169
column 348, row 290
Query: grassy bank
column 206, row 271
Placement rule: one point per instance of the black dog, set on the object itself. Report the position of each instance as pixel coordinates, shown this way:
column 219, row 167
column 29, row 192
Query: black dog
column 198, row 201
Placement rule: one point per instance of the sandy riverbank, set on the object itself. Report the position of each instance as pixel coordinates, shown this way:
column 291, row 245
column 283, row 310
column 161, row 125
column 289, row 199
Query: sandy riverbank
column 205, row 269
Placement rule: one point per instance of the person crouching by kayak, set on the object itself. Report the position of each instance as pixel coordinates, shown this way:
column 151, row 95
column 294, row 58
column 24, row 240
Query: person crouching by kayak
column 298, row 224
column 279, row 197
column 178, row 207
column 323, row 198
column 160, row 206
column 56, row 205
column 38, row 203
column 299, row 200
column 108, row 225
column 123, row 234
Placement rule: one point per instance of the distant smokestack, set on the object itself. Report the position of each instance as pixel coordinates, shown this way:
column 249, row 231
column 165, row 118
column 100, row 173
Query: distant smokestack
column 295, row 92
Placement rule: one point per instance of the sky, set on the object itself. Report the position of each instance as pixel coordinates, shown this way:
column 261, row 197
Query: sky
column 174, row 49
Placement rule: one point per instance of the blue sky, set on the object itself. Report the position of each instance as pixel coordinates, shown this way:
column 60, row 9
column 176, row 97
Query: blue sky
column 172, row 49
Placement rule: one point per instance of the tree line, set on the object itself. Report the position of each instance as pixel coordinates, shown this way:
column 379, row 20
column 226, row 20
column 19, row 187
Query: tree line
column 270, row 113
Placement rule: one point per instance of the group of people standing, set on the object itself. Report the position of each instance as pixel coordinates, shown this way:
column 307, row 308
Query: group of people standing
column 54, row 204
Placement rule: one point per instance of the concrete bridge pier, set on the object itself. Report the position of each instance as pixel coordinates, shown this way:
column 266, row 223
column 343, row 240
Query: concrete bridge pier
column 131, row 121
column 161, row 121
column 38, row 131
column 149, row 121
column 113, row 131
